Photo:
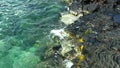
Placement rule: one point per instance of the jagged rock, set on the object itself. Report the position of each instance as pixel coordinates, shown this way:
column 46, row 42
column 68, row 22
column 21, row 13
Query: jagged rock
column 102, row 47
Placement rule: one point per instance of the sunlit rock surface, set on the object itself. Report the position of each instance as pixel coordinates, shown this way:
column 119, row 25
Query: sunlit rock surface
column 69, row 18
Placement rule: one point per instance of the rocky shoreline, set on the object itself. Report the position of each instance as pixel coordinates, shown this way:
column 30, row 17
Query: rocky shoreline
column 102, row 48
column 98, row 32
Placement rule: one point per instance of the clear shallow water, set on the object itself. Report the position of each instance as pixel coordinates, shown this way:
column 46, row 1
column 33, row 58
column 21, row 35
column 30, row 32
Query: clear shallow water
column 24, row 25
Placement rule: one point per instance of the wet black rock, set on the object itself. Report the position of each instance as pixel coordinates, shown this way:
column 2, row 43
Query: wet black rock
column 111, row 1
column 116, row 18
column 102, row 47
column 118, row 8
column 75, row 6
column 93, row 5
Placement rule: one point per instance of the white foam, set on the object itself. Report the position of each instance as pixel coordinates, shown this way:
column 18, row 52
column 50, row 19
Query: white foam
column 68, row 63
column 59, row 33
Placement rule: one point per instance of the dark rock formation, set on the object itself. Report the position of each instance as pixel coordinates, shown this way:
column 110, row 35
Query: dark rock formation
column 102, row 47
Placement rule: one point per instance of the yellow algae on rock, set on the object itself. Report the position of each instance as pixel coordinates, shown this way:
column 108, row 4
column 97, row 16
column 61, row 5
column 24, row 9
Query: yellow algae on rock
column 81, row 40
column 81, row 57
column 87, row 32
column 79, row 49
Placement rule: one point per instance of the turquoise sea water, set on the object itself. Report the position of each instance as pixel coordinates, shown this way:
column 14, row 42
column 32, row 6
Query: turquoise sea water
column 24, row 27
